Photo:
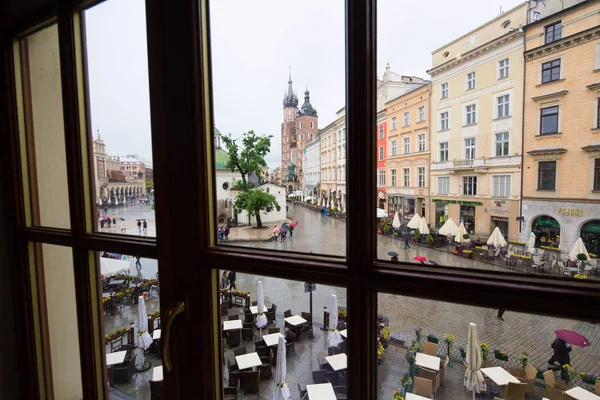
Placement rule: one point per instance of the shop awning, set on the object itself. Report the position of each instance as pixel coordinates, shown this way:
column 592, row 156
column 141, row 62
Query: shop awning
column 546, row 222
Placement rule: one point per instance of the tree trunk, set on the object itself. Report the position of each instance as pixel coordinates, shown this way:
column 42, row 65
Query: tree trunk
column 258, row 221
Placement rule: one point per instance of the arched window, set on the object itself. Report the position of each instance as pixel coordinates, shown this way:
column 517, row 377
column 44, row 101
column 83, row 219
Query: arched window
column 506, row 24
column 590, row 233
column 546, row 230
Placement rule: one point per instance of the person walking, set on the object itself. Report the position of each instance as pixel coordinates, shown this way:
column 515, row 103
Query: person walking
column 406, row 240
column 224, row 280
column 139, row 225
column 231, row 279
column 145, row 226
column 138, row 264
column 500, row 314
column 561, row 352
column 226, row 232
column 276, row 232
column 291, row 231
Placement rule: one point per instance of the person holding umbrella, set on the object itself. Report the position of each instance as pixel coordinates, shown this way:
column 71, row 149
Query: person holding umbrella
column 407, row 240
column 561, row 352
column 276, row 232
column 394, row 257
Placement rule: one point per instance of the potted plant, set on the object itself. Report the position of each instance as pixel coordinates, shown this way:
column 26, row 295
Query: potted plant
column 524, row 357
column 449, row 339
column 397, row 395
column 417, row 235
column 467, row 253
column 406, row 382
column 588, row 378
column 500, row 355
column 419, row 334
column 386, row 229
column 463, row 352
column 567, row 373
column 380, row 352
column 430, row 241
column 582, row 257
column 485, row 350
column 466, row 237
column 342, row 314
column 384, row 336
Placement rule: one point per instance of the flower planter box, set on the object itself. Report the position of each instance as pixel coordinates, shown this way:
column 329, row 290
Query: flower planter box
column 467, row 255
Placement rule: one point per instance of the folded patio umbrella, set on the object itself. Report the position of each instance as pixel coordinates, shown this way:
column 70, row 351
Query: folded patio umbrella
column 578, row 248
column 496, row 238
column 531, row 241
column 449, row 228
column 423, row 228
column 414, row 222
column 572, row 337
column 261, row 318
column 144, row 338
column 396, row 221
column 473, row 376
column 459, row 235
column 282, row 390
column 333, row 336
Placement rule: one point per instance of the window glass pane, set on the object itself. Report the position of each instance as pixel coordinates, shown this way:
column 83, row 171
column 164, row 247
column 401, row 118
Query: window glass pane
column 250, row 350
column 425, row 352
column 282, row 89
column 119, row 118
column 132, row 323
column 41, row 125
column 53, row 286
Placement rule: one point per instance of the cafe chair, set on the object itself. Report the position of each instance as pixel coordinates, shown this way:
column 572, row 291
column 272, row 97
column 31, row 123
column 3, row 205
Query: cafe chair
column 433, row 376
column 597, row 387
column 231, row 392
column 274, row 330
column 554, row 390
column 240, row 351
column 248, row 332
column 319, row 376
column 302, row 390
column 430, row 348
column 265, row 368
column 255, row 303
column 290, row 349
column 123, row 372
column 251, row 382
column 287, row 313
column 516, row 391
column 224, row 310
column 156, row 390
column 423, row 387
column 444, row 370
column 234, row 337
column 341, row 392
column 233, row 317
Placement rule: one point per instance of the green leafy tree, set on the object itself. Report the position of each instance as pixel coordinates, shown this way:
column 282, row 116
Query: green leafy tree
column 150, row 184
column 249, row 155
column 253, row 201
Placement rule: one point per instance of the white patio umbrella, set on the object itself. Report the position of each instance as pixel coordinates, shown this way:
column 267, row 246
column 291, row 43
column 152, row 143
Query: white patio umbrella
column 473, row 376
column 578, row 248
column 423, row 228
column 459, row 235
column 449, row 228
column 282, row 390
column 116, row 201
column 333, row 336
column 144, row 338
column 323, row 202
column 261, row 318
column 496, row 238
column 99, row 201
column 108, row 199
column 414, row 222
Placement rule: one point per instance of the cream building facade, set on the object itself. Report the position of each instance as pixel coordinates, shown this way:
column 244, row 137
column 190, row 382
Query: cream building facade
column 561, row 165
column 408, row 153
column 476, row 123
column 328, row 139
column 312, row 167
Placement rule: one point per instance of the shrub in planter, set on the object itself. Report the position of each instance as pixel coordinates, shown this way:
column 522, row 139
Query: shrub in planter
column 581, row 257
column 380, row 352
column 466, row 236
column 467, row 253
column 417, row 234
column 588, row 378
column 463, row 352
column 430, row 240
column 386, row 229
column 500, row 355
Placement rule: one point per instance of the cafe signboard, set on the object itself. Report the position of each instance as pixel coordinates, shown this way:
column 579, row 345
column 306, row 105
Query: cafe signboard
column 570, row 212
column 461, row 202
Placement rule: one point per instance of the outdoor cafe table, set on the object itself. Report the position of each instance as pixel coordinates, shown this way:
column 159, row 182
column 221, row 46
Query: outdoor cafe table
column 427, row 361
column 344, row 333
column 157, row 374
column 249, row 360
column 412, row 396
column 254, row 309
column 156, row 334
column 499, row 375
column 115, row 358
column 295, row 320
column 272, row 339
column 581, row 394
column 321, row 391
column 339, row 361
column 231, row 325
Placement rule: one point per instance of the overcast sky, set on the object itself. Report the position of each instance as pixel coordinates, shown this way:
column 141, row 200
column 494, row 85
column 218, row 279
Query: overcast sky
column 253, row 44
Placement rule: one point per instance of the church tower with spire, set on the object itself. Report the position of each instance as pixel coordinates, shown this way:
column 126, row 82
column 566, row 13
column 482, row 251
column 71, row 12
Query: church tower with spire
column 297, row 128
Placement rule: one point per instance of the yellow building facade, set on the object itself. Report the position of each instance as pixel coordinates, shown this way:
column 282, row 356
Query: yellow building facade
column 561, row 164
column 408, row 153
column 476, row 127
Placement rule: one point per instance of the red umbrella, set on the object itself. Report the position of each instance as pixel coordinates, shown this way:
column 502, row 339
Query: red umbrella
column 420, row 258
column 293, row 224
column 572, row 337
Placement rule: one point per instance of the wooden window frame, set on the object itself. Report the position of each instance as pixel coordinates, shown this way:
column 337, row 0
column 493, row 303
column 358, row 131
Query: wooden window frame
column 179, row 78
